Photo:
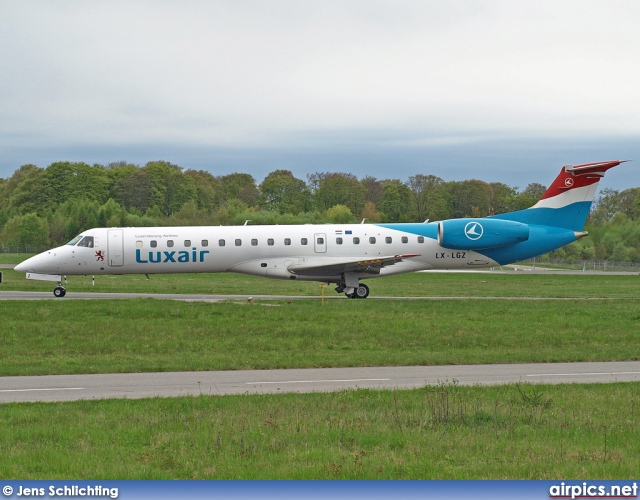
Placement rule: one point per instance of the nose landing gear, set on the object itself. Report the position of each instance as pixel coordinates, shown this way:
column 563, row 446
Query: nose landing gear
column 59, row 291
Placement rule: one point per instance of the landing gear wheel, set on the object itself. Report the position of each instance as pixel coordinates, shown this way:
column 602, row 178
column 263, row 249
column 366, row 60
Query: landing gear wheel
column 59, row 291
column 362, row 292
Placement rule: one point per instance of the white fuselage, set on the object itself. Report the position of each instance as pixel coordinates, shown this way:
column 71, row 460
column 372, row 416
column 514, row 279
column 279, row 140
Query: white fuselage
column 268, row 251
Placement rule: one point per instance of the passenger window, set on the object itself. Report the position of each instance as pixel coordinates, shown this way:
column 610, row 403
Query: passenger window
column 270, row 242
column 187, row 243
column 338, row 241
column 388, row 239
column 420, row 239
column 320, row 241
column 169, row 243
column 372, row 240
column 138, row 244
column 404, row 239
column 254, row 242
column 287, row 241
column 303, row 241
column 221, row 243
column 238, row 242
column 205, row 243
column 153, row 243
column 356, row 240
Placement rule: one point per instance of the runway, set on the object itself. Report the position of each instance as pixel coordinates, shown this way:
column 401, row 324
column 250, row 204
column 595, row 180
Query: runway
column 218, row 383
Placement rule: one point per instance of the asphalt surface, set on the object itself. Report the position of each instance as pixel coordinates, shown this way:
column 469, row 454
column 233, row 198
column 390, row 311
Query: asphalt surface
column 173, row 384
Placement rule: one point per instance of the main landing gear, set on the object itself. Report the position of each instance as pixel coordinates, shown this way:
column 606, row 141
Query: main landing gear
column 359, row 292
column 59, row 291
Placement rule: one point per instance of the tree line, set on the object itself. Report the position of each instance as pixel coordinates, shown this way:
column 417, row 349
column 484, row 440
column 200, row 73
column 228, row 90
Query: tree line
column 48, row 206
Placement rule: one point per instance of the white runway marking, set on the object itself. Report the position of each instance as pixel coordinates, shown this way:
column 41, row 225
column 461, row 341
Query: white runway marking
column 50, row 389
column 322, row 381
column 581, row 374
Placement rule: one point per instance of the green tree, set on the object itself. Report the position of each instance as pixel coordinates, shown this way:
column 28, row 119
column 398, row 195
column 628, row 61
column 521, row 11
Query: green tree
column 630, row 203
column 80, row 216
column 370, row 213
column 134, row 190
column 339, row 189
column 27, row 230
column 282, row 192
column 428, row 196
column 75, row 181
column 470, row 198
column 373, row 190
column 529, row 196
column 27, row 190
column 340, row 214
column 240, row 186
column 396, row 201
column 190, row 215
column 170, row 188
column 209, row 192
column 111, row 214
column 503, row 198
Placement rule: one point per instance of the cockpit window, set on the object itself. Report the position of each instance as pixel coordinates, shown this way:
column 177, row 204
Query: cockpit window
column 87, row 241
column 75, row 240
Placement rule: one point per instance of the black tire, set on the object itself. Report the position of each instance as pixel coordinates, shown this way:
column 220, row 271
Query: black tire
column 59, row 292
column 362, row 292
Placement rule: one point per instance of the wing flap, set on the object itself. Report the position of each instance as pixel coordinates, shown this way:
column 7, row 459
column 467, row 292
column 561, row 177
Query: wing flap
column 336, row 267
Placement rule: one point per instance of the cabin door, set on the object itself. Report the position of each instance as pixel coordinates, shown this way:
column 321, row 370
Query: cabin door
column 320, row 242
column 115, row 247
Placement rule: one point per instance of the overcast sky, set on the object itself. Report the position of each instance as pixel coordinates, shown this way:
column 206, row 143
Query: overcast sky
column 504, row 91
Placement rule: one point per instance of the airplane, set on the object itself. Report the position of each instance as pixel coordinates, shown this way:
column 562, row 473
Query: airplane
column 340, row 254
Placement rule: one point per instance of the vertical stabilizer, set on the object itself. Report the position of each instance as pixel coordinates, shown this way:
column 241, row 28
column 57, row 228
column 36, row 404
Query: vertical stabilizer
column 567, row 202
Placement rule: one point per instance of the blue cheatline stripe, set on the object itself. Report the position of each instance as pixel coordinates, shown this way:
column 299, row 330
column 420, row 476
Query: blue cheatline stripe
column 571, row 217
column 542, row 239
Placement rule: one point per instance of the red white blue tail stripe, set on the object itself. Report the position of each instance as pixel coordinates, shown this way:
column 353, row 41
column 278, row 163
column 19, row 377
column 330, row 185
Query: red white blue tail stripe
column 567, row 202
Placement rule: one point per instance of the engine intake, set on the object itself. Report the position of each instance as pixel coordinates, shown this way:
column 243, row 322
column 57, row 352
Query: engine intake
column 480, row 234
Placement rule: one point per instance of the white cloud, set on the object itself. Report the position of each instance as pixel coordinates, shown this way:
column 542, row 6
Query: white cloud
column 259, row 72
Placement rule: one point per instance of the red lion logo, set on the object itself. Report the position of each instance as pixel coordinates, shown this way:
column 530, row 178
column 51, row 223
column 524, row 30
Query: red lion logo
column 100, row 256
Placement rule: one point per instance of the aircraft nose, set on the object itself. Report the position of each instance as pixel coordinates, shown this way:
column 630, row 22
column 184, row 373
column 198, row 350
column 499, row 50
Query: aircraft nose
column 22, row 267
column 30, row 265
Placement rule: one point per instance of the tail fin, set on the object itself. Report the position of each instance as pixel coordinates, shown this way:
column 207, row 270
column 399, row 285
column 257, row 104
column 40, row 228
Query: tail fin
column 567, row 202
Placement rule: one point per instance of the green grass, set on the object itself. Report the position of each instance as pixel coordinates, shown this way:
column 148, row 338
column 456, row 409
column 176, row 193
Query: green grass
column 76, row 336
column 442, row 432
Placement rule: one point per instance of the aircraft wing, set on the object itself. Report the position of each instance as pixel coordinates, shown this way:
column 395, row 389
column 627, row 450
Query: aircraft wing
column 336, row 267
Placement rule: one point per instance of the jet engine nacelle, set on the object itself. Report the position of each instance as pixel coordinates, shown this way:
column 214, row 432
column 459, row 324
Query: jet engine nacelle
column 480, row 234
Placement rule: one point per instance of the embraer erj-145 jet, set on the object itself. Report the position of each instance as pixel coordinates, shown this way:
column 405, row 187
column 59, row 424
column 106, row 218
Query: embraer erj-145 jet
column 343, row 254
